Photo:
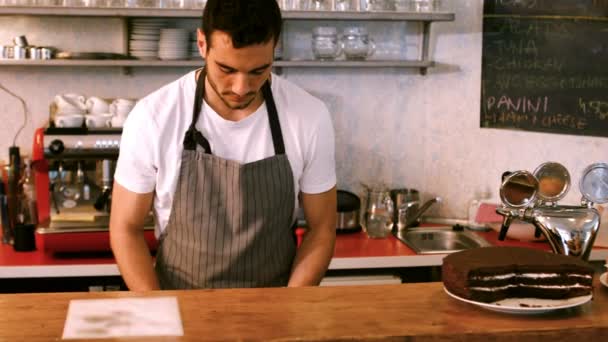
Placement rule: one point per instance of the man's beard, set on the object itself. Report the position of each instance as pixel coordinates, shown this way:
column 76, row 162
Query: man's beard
column 241, row 106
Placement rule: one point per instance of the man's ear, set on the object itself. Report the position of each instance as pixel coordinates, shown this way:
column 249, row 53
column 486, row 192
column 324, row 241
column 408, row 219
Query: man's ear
column 201, row 42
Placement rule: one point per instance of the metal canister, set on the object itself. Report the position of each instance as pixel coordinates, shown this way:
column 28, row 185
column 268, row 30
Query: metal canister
column 19, row 52
column 33, row 52
column 20, row 41
column 6, row 52
column 45, row 53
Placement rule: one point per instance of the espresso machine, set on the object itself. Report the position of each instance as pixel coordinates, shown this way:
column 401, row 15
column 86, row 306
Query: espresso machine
column 533, row 197
column 73, row 171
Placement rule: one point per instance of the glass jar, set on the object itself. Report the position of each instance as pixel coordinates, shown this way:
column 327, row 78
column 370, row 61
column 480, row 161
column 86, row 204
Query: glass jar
column 357, row 44
column 425, row 5
column 379, row 5
column 325, row 43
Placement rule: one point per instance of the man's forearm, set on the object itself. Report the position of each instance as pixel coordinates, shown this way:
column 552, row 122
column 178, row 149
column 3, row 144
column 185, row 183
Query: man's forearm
column 134, row 260
column 313, row 257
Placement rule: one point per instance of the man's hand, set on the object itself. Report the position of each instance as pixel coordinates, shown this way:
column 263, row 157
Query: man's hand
column 317, row 248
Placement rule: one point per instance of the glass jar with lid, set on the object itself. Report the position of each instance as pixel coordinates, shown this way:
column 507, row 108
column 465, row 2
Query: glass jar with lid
column 325, row 43
column 357, row 44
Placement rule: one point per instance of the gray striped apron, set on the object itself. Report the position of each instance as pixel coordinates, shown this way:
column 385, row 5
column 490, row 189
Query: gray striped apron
column 230, row 223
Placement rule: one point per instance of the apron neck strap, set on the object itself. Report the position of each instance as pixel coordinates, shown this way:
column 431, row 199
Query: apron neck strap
column 194, row 137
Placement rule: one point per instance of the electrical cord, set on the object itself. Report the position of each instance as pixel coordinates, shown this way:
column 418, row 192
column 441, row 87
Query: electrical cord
column 25, row 111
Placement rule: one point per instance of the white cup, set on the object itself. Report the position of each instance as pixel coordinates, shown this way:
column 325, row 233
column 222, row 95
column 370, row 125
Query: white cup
column 124, row 102
column 97, row 105
column 70, row 103
column 98, row 120
column 69, row 120
column 118, row 121
column 121, row 108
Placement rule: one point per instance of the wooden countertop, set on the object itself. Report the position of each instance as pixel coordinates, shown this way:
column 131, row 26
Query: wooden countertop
column 410, row 312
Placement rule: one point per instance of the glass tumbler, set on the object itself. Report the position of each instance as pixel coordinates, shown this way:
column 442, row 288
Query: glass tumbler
column 317, row 5
column 379, row 214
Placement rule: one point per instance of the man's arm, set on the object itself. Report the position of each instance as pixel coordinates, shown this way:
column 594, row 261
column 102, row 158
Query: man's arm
column 129, row 211
column 317, row 248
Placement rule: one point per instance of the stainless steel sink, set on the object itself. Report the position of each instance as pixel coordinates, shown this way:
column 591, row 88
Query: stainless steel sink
column 440, row 240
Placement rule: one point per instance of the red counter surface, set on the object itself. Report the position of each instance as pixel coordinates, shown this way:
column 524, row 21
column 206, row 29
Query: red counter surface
column 352, row 250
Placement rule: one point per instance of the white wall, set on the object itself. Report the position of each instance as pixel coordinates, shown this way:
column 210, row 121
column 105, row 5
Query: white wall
column 392, row 125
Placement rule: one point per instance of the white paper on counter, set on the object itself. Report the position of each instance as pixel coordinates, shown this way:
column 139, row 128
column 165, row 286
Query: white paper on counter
column 121, row 317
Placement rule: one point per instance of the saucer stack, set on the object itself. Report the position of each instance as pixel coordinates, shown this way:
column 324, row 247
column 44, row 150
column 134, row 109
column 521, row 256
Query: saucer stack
column 174, row 44
column 144, row 37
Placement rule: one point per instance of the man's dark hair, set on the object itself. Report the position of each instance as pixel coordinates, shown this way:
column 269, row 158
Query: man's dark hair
column 248, row 22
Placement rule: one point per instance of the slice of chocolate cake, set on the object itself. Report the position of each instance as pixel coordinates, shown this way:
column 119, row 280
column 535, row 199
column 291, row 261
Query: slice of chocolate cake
column 491, row 274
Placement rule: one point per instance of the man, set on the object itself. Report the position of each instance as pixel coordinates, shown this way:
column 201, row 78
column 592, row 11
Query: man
column 223, row 155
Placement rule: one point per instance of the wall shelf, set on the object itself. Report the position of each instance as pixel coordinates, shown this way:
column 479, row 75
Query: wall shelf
column 424, row 18
column 199, row 63
column 196, row 13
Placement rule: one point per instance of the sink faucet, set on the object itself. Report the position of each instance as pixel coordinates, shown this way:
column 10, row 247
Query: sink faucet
column 406, row 218
column 570, row 230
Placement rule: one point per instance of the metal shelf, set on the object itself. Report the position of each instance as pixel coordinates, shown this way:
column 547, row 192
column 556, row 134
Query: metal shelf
column 198, row 63
column 100, row 63
column 425, row 18
column 127, row 63
column 196, row 13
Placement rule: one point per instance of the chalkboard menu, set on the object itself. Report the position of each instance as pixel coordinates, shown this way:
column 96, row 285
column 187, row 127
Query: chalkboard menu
column 545, row 66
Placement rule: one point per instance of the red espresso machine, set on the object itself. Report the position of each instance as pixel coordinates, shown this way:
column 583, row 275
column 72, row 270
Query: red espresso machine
column 73, row 172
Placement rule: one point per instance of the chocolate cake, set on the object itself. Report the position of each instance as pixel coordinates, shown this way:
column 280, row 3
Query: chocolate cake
column 491, row 274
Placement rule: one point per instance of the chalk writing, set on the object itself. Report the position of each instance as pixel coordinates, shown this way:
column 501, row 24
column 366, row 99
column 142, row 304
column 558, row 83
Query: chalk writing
column 516, row 47
column 544, row 68
column 530, row 64
column 539, row 82
column 532, row 28
column 515, row 3
column 519, row 120
column 597, row 108
column 520, row 104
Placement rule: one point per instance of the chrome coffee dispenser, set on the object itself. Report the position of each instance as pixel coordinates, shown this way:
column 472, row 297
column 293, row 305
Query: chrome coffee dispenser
column 533, row 198
column 73, row 169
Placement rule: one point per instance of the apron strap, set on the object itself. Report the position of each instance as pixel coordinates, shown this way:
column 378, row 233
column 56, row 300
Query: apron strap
column 194, row 138
column 273, row 120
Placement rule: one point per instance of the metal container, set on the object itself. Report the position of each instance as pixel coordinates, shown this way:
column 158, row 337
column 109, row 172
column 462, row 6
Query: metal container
column 347, row 218
column 19, row 52
column 34, row 52
column 46, row 53
column 6, row 52
column 408, row 209
column 20, row 41
column 405, row 199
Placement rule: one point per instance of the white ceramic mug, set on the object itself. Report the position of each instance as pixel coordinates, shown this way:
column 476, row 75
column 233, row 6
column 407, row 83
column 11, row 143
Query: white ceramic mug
column 124, row 102
column 70, row 103
column 98, row 120
column 120, row 109
column 69, row 120
column 97, row 105
column 118, row 121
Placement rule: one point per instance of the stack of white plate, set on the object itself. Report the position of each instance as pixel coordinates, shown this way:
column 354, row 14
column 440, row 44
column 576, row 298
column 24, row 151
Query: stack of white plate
column 144, row 37
column 174, row 44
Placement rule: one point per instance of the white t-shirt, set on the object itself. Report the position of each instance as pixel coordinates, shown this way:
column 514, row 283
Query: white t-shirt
column 152, row 140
